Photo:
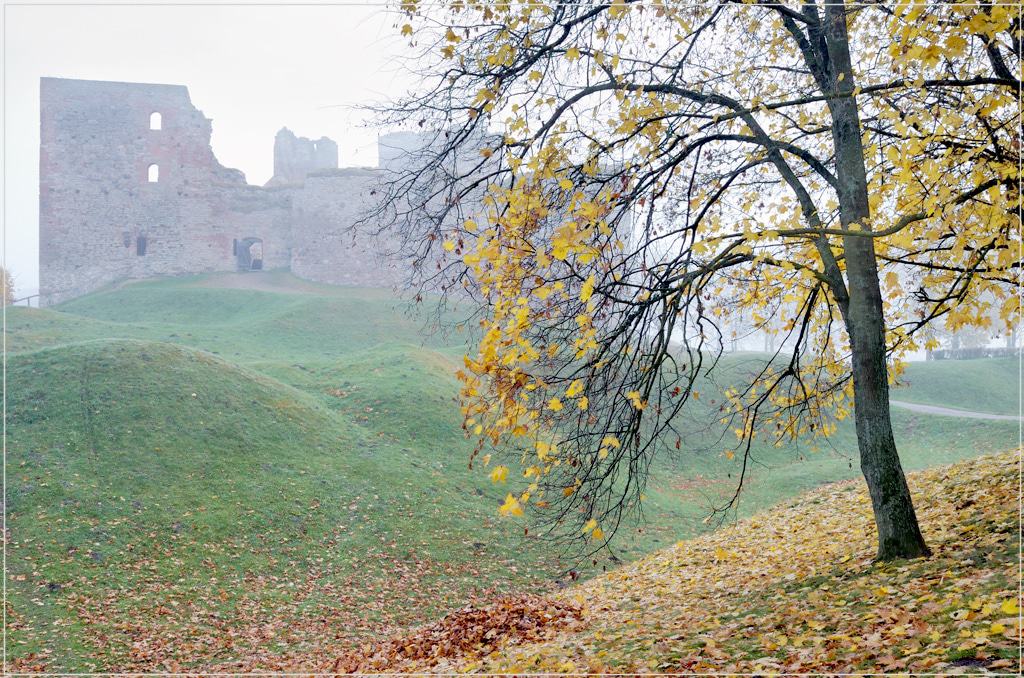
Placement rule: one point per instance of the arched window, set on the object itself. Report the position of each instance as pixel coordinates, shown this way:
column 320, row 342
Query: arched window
column 155, row 120
column 154, row 174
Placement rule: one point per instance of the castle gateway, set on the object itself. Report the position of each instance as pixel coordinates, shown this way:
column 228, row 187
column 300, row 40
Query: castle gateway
column 129, row 187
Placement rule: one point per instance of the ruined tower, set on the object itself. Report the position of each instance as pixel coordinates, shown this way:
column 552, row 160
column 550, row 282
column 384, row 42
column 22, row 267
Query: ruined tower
column 295, row 157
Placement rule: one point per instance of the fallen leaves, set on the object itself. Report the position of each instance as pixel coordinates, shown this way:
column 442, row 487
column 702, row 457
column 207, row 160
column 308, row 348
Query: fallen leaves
column 795, row 590
column 468, row 632
column 792, row 590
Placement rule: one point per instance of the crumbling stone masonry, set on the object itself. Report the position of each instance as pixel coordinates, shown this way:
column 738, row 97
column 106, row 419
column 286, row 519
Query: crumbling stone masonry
column 295, row 157
column 129, row 187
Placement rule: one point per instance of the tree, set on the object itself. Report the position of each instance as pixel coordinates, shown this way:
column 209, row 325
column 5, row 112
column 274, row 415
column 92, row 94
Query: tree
column 851, row 171
column 8, row 285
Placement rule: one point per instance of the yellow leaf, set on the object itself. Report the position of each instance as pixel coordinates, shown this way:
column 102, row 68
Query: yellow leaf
column 555, row 404
column 634, row 398
column 590, row 525
column 1009, row 607
column 407, row 29
column 611, row 441
column 511, row 507
column 499, row 474
column 955, row 45
column 588, row 289
column 572, row 54
column 597, row 534
column 449, row 245
column 543, row 450
column 583, row 403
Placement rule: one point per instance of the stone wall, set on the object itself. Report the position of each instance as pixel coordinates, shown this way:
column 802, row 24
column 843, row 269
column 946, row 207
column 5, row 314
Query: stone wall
column 130, row 188
column 326, row 247
column 104, row 217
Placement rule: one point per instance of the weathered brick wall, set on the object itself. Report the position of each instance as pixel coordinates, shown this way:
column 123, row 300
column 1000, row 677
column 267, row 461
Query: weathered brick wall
column 326, row 247
column 96, row 202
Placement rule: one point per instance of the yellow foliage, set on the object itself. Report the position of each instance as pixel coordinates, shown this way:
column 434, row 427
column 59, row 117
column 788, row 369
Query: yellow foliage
column 544, row 239
column 511, row 507
column 575, row 388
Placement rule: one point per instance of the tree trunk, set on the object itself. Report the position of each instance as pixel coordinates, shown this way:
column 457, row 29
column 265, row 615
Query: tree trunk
column 899, row 535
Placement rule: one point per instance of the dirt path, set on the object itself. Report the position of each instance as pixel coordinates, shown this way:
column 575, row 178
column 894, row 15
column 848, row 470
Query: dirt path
column 950, row 412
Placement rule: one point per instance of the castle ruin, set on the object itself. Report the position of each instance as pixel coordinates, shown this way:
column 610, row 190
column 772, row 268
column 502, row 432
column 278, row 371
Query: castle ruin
column 129, row 187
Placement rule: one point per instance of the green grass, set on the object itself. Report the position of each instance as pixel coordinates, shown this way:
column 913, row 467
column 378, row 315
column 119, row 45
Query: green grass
column 211, row 449
column 986, row 385
column 124, row 451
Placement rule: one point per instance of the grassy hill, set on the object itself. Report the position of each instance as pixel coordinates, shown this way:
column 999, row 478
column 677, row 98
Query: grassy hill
column 989, row 385
column 150, row 483
column 246, row 468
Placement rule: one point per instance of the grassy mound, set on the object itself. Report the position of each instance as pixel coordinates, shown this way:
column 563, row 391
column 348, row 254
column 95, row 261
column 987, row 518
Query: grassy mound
column 234, row 470
column 270, row 322
column 168, row 506
column 794, row 590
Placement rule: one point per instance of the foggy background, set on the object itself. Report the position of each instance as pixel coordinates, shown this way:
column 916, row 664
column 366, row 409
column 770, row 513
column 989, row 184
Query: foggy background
column 251, row 69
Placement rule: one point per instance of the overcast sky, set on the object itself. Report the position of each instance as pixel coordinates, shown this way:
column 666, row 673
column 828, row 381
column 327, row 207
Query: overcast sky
column 251, row 69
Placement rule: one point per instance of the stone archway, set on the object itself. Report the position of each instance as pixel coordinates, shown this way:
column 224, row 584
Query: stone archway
column 249, row 253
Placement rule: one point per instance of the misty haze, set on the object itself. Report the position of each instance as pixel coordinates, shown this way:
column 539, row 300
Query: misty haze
column 538, row 338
